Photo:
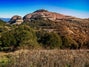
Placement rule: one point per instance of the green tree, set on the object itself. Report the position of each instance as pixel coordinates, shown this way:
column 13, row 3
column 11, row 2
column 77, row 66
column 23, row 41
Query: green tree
column 8, row 39
column 50, row 40
column 21, row 36
column 26, row 37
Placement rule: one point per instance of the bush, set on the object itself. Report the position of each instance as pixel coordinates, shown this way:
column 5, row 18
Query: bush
column 50, row 40
column 21, row 36
column 26, row 37
column 68, row 42
column 8, row 39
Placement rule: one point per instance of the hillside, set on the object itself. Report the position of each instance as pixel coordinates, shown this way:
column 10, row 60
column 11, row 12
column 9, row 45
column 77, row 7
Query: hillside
column 44, row 39
column 66, row 26
column 43, row 29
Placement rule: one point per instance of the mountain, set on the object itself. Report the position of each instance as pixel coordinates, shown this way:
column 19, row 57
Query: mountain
column 41, row 13
column 76, row 29
column 5, row 19
column 72, row 31
column 16, row 20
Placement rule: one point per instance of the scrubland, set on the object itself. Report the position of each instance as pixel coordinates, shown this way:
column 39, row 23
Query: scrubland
column 45, row 58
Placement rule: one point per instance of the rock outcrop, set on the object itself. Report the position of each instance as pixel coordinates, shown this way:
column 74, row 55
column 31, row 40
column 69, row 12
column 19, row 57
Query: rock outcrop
column 16, row 20
column 45, row 15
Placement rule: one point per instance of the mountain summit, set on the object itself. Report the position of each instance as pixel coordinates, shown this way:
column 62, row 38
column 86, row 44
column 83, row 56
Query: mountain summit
column 40, row 14
column 41, row 10
column 46, row 15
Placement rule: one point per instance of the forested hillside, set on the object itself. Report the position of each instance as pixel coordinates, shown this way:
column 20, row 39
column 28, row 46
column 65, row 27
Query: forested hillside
column 40, row 33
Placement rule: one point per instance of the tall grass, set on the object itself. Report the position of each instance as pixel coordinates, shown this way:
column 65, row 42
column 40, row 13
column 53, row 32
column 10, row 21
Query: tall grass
column 49, row 58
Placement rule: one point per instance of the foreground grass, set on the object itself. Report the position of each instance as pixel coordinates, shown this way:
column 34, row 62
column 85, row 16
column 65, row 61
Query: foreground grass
column 45, row 58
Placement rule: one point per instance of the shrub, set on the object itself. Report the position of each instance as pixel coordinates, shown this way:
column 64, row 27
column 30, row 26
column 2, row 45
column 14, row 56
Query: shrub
column 50, row 40
column 8, row 39
column 68, row 42
column 26, row 39
column 21, row 36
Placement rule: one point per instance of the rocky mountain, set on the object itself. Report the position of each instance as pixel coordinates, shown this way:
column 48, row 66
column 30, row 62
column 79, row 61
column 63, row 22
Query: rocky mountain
column 46, row 15
column 16, row 20
column 45, row 28
column 75, row 28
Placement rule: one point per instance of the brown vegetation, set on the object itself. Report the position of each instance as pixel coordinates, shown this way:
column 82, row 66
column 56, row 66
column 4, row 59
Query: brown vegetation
column 49, row 58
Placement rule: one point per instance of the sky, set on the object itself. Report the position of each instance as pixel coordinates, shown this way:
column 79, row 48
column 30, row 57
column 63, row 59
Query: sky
column 76, row 8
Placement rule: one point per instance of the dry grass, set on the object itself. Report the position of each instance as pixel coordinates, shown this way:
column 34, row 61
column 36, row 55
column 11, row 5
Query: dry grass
column 49, row 58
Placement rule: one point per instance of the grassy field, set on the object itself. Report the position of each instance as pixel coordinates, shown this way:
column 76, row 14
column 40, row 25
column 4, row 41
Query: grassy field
column 45, row 58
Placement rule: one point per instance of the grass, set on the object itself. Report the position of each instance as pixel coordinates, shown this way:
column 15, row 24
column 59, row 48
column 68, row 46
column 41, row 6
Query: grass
column 47, row 58
column 4, row 60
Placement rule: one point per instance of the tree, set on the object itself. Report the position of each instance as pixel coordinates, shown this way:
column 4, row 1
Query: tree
column 8, row 39
column 21, row 36
column 26, row 37
column 50, row 40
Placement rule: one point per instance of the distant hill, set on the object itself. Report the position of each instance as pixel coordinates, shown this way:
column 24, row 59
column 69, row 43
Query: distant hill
column 5, row 19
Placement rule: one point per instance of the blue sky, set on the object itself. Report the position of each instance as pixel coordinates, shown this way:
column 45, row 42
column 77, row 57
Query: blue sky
column 78, row 8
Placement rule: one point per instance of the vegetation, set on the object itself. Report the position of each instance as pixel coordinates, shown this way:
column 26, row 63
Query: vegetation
column 31, row 35
column 46, row 58
column 68, row 42
column 37, row 34
column 22, row 36
column 5, row 60
column 49, row 40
